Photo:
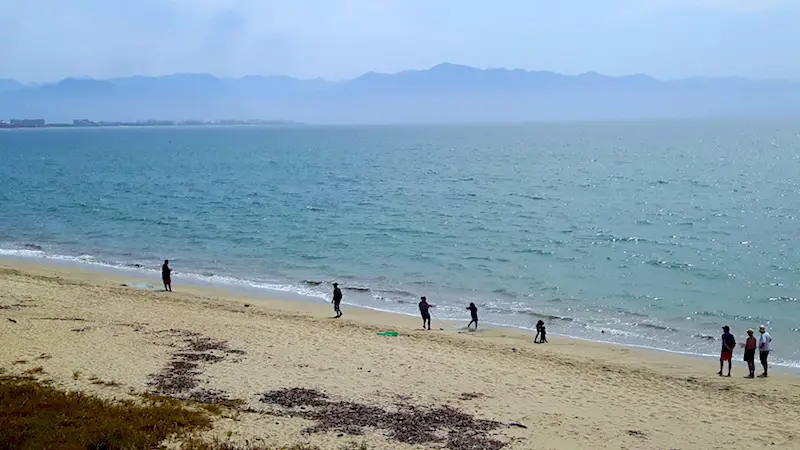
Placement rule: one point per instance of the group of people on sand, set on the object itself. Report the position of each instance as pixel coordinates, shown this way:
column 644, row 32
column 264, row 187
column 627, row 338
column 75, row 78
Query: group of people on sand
column 425, row 312
column 424, row 306
column 763, row 344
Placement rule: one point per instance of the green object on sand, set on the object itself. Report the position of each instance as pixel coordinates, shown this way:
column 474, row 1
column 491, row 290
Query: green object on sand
column 388, row 333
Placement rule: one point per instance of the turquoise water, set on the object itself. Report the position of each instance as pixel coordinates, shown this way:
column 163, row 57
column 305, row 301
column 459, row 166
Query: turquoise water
column 648, row 233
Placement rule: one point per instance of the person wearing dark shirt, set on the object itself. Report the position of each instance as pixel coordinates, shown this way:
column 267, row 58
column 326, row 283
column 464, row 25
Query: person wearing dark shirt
column 728, row 344
column 473, row 311
column 543, row 334
column 166, row 276
column 750, row 353
column 424, row 308
column 539, row 326
column 337, row 300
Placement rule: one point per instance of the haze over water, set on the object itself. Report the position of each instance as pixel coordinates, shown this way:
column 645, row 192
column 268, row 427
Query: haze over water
column 643, row 233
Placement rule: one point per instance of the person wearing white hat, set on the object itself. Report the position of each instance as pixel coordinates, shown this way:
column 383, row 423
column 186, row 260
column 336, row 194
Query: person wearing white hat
column 764, row 347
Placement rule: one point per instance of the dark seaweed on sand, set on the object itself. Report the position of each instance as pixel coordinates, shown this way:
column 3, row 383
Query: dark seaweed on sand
column 180, row 376
column 453, row 429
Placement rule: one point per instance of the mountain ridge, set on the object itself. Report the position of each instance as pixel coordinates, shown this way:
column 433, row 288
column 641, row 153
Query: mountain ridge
column 445, row 92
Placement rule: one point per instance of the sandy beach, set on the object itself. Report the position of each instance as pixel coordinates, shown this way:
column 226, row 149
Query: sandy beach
column 88, row 332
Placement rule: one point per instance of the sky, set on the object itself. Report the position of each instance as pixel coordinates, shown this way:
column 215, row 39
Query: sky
column 46, row 40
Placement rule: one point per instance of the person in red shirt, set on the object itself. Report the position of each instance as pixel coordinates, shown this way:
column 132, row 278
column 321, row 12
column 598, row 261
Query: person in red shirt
column 728, row 344
column 750, row 353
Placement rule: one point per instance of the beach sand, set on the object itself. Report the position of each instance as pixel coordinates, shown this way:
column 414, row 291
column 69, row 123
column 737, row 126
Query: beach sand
column 86, row 331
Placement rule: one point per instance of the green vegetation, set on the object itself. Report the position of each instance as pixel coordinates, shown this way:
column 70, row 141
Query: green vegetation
column 36, row 415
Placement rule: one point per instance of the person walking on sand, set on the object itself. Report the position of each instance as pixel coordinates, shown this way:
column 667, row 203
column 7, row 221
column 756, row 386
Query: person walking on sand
column 750, row 353
column 539, row 326
column 424, row 308
column 543, row 334
column 728, row 344
column 764, row 347
column 473, row 311
column 337, row 300
column 166, row 276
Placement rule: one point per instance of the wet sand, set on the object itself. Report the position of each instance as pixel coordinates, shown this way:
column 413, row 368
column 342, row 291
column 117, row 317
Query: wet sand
column 90, row 333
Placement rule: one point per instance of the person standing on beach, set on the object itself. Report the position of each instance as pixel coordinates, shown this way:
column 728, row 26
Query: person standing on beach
column 166, row 276
column 473, row 311
column 337, row 300
column 750, row 353
column 424, row 308
column 539, row 326
column 728, row 344
column 764, row 347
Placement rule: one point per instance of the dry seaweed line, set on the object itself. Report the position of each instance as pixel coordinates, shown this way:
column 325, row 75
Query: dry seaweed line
column 181, row 375
column 408, row 424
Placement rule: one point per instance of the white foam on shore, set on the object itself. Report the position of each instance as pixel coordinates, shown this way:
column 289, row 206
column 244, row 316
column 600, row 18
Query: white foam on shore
column 199, row 279
column 310, row 294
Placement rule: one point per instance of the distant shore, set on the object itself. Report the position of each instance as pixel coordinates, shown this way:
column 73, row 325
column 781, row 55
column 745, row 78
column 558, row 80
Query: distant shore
column 564, row 395
column 40, row 123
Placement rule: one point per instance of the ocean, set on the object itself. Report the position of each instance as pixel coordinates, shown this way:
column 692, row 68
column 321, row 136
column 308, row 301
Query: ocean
column 650, row 234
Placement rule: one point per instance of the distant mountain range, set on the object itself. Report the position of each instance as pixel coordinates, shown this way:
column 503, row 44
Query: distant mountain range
column 443, row 93
column 10, row 85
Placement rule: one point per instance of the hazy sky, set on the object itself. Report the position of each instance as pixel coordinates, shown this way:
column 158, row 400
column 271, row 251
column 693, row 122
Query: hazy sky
column 44, row 40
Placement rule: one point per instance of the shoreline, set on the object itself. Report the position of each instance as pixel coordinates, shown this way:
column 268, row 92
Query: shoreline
column 303, row 304
column 89, row 333
column 255, row 293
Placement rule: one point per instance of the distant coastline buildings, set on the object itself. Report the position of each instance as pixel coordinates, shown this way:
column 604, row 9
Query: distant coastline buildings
column 85, row 123
column 23, row 123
